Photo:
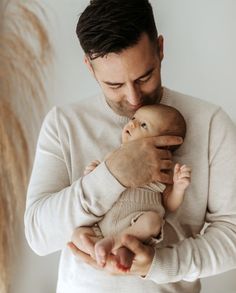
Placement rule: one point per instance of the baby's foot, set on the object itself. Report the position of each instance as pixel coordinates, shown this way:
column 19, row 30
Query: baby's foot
column 124, row 258
column 102, row 249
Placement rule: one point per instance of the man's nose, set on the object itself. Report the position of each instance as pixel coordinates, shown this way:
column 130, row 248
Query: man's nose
column 134, row 95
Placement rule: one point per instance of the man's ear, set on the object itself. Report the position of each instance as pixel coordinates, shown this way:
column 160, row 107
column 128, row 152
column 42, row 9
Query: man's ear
column 87, row 61
column 160, row 47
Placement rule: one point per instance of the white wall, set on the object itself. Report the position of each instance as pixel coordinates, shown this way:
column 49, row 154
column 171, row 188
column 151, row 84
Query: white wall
column 200, row 46
column 200, row 59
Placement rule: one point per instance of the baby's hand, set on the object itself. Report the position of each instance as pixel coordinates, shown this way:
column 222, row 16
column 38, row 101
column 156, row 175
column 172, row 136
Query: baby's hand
column 182, row 176
column 91, row 167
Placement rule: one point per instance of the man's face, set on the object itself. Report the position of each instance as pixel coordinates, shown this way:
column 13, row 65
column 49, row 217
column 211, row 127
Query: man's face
column 131, row 78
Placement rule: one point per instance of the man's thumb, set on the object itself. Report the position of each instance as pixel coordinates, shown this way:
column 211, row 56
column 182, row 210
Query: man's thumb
column 133, row 244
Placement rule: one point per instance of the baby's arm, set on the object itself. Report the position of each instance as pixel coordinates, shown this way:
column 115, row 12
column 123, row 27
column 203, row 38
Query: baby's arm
column 91, row 167
column 173, row 195
column 94, row 164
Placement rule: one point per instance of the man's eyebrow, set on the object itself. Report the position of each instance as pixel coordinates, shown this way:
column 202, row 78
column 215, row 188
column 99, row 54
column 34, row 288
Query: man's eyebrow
column 149, row 71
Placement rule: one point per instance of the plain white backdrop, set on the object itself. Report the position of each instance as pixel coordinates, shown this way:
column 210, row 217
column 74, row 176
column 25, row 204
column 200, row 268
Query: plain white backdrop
column 200, row 60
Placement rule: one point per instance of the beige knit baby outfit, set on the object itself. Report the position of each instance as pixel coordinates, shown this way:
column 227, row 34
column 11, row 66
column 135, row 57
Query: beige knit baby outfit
column 132, row 203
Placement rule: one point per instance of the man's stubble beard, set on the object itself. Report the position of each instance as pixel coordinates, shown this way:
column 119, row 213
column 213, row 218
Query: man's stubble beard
column 122, row 108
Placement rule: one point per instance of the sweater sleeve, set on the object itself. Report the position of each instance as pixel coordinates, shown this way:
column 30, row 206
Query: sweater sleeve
column 54, row 207
column 213, row 252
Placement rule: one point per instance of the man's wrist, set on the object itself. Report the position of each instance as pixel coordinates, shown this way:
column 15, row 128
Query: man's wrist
column 116, row 176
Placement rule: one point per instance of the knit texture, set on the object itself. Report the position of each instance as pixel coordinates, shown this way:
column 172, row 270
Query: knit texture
column 60, row 198
column 131, row 204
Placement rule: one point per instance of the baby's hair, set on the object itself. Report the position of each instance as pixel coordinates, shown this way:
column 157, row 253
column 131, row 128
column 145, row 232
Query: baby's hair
column 174, row 121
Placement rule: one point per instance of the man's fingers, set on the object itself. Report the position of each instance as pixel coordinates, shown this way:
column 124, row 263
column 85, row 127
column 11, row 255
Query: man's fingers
column 89, row 244
column 164, row 177
column 72, row 248
column 167, row 140
column 166, row 165
column 82, row 255
column 163, row 154
column 133, row 244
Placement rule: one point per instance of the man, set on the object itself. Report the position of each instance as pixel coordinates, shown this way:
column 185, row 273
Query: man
column 124, row 53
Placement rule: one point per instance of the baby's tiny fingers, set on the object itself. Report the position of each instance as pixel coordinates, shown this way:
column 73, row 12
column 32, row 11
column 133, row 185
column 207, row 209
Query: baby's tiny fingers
column 185, row 168
column 184, row 174
column 177, row 166
column 95, row 162
column 89, row 169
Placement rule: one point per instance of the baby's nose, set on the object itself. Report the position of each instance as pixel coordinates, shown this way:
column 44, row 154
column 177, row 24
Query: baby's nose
column 133, row 123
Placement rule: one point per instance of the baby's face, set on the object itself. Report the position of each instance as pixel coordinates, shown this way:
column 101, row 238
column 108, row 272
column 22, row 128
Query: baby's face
column 144, row 123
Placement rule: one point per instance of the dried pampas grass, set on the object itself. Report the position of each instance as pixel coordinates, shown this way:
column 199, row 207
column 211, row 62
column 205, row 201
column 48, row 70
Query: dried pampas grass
column 25, row 54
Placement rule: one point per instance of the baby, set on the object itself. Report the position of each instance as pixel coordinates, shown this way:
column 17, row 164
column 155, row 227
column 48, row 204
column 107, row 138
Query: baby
column 138, row 211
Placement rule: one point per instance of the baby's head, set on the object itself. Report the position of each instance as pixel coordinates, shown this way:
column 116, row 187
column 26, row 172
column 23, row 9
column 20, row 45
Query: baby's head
column 154, row 120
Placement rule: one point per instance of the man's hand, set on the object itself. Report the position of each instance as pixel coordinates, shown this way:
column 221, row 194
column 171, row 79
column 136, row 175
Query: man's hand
column 143, row 257
column 142, row 161
column 111, row 262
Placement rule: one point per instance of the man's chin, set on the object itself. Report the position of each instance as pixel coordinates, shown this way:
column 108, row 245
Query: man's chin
column 127, row 113
column 134, row 108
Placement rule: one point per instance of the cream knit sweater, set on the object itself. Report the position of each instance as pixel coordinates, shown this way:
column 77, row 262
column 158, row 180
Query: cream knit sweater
column 59, row 199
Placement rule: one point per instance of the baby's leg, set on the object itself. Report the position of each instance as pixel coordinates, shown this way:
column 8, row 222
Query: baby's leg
column 103, row 248
column 85, row 238
column 146, row 226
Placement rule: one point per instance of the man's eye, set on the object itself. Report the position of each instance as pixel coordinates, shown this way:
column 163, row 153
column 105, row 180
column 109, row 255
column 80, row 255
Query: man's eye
column 132, row 118
column 144, row 125
column 145, row 79
column 115, row 87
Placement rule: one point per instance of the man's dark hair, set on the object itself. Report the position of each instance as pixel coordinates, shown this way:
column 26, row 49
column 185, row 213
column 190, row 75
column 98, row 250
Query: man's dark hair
column 110, row 26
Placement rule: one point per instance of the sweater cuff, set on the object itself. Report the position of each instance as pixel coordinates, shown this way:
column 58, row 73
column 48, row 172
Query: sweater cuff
column 161, row 270
column 102, row 187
